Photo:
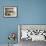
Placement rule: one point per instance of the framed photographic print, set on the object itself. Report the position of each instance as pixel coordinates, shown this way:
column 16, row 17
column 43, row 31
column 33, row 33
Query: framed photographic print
column 10, row 11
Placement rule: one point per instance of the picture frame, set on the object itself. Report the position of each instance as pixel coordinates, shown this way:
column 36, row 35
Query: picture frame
column 10, row 11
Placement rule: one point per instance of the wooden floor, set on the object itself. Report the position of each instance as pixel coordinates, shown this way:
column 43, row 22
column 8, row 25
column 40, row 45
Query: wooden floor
column 30, row 43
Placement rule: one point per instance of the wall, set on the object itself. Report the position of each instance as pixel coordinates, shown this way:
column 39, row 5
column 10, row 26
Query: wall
column 7, row 25
column 29, row 12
